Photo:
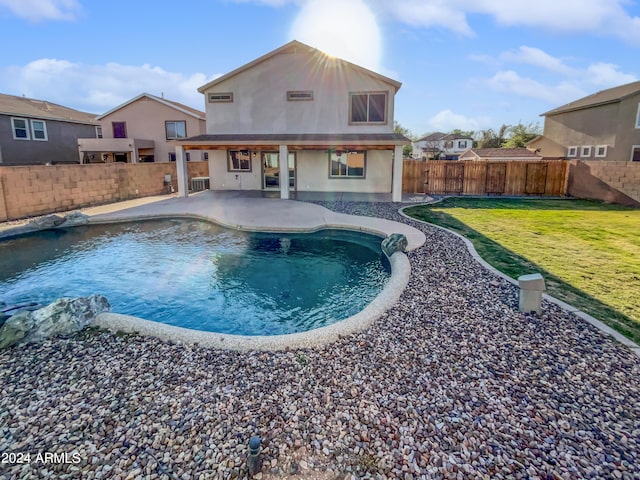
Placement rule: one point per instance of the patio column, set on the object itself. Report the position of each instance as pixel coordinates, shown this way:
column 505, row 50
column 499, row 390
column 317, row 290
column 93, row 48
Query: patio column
column 396, row 187
column 181, row 167
column 283, row 162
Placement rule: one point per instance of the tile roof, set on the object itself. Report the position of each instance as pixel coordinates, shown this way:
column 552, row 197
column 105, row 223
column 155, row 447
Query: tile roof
column 503, row 153
column 30, row 107
column 170, row 103
column 602, row 97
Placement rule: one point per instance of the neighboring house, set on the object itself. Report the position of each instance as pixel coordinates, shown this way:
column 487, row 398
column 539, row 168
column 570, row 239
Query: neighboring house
column 319, row 122
column 39, row 132
column 602, row 126
column 441, row 146
column 499, row 154
column 139, row 131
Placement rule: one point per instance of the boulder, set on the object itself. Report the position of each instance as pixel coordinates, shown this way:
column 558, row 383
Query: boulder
column 45, row 223
column 396, row 242
column 74, row 219
column 62, row 317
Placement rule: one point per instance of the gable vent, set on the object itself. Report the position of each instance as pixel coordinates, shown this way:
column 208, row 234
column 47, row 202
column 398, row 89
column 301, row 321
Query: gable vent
column 220, row 97
column 299, row 95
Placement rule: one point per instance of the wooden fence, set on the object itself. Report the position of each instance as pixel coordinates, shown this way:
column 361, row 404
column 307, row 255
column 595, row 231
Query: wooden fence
column 511, row 177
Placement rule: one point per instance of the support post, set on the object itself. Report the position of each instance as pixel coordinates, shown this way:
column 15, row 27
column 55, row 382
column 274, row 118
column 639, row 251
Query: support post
column 283, row 163
column 396, row 187
column 183, row 177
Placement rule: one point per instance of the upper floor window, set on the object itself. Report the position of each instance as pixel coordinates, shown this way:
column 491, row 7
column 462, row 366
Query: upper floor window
column 119, row 129
column 601, row 151
column 572, row 152
column 220, row 97
column 635, row 153
column 98, row 131
column 39, row 130
column 343, row 164
column 176, row 130
column 638, row 116
column 239, row 161
column 462, row 144
column 585, row 151
column 20, row 129
column 369, row 107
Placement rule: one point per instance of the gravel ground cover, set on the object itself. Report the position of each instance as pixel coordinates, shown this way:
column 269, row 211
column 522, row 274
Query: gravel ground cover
column 452, row 382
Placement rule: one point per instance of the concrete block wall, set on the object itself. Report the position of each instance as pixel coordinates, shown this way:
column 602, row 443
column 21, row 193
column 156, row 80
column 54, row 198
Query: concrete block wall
column 27, row 191
column 611, row 181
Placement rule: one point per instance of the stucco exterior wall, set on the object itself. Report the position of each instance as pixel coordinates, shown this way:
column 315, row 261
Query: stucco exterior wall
column 145, row 119
column 313, row 173
column 612, row 125
column 61, row 145
column 221, row 179
column 260, row 97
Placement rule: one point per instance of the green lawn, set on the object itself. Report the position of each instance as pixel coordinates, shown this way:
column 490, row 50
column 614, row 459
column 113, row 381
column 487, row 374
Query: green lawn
column 588, row 252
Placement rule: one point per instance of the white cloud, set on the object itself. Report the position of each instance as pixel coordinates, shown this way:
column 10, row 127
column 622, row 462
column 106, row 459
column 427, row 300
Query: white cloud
column 538, row 58
column 446, row 120
column 508, row 81
column 39, row 10
column 600, row 17
column 98, row 88
column 607, row 75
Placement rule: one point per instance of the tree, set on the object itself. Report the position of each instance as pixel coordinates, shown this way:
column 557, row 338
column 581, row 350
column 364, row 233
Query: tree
column 489, row 138
column 407, row 150
column 520, row 135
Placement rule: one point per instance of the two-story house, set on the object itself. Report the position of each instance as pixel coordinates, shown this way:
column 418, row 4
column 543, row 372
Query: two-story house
column 140, row 130
column 39, row 132
column 298, row 114
column 602, row 126
column 441, row 146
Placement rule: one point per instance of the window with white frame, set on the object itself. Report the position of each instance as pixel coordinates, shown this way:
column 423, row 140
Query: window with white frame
column 176, row 130
column 368, row 107
column 601, row 150
column 20, row 128
column 239, row 161
column 98, row 131
column 638, row 116
column 572, row 152
column 39, row 130
column 635, row 153
column 347, row 164
column 585, row 151
column 462, row 144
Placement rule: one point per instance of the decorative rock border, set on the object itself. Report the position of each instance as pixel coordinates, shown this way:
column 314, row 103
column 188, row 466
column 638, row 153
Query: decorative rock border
column 565, row 306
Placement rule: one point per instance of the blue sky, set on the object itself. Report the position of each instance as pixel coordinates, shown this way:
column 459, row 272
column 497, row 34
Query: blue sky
column 468, row 64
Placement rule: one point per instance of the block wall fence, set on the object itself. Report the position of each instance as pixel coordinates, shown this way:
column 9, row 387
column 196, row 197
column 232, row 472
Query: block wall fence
column 27, row 191
column 610, row 181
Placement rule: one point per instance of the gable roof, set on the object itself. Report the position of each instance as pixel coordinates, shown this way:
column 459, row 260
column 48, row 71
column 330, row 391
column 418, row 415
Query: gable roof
column 438, row 136
column 603, row 97
column 502, row 153
column 169, row 103
column 295, row 46
column 30, row 107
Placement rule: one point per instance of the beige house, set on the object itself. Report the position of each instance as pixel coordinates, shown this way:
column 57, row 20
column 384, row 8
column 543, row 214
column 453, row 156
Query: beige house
column 296, row 113
column 140, row 130
column 502, row 154
column 602, row 126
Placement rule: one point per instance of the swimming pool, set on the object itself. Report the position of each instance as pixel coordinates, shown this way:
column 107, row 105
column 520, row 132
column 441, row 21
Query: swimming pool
column 198, row 275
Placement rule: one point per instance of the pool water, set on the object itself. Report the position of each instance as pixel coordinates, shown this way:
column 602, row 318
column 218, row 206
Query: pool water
column 198, row 275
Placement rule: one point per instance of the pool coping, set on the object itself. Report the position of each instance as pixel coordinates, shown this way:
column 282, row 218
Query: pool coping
column 635, row 348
